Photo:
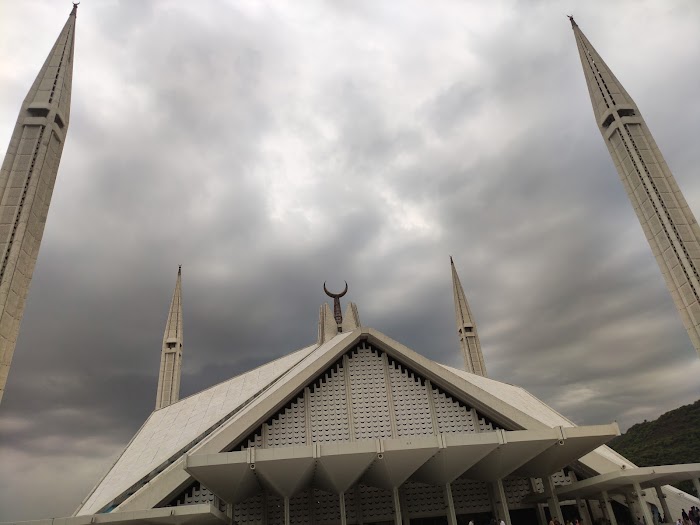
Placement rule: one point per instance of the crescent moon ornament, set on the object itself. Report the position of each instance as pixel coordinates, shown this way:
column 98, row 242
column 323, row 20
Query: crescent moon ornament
column 337, row 312
column 334, row 295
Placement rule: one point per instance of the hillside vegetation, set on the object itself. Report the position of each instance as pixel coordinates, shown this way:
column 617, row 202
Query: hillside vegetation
column 672, row 438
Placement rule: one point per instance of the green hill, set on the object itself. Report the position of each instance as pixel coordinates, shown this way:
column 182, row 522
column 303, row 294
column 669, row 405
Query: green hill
column 672, row 438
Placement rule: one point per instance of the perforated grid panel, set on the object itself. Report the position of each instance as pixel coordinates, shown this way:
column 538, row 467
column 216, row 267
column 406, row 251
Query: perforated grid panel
column 326, row 507
column 328, row 408
column 367, row 383
column 470, row 496
column 451, row 415
column 351, row 504
column 516, row 490
column 250, row 511
column 539, row 485
column 275, row 508
column 370, row 403
column 376, row 504
column 411, row 403
column 255, row 441
column 289, row 428
column 485, row 425
column 423, row 500
column 560, row 478
column 299, row 510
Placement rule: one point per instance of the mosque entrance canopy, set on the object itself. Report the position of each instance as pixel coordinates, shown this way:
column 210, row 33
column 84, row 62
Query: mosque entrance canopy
column 386, row 463
column 623, row 480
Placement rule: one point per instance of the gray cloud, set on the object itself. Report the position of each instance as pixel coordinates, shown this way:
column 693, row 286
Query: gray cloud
column 268, row 149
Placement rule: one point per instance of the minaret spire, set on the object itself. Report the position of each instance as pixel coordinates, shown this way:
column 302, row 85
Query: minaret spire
column 27, row 179
column 171, row 354
column 668, row 223
column 466, row 328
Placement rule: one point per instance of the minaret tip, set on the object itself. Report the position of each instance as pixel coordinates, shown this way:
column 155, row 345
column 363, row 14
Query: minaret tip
column 466, row 329
column 573, row 22
column 74, row 12
column 451, row 261
column 179, row 269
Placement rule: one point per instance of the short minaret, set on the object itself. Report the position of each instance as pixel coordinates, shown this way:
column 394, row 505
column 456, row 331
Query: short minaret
column 669, row 225
column 466, row 329
column 171, row 354
column 27, row 180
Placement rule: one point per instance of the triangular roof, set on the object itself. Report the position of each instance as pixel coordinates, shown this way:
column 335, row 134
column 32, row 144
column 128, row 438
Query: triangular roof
column 172, row 430
column 151, row 468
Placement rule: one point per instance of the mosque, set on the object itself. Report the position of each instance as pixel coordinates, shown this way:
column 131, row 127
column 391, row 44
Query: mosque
column 356, row 428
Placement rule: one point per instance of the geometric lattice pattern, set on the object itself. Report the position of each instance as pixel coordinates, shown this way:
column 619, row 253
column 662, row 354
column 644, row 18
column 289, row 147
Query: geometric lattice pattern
column 367, row 395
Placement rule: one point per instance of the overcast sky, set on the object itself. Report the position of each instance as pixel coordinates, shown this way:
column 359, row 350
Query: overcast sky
column 268, row 147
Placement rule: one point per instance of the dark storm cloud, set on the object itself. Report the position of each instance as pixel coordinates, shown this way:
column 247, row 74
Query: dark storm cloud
column 268, row 149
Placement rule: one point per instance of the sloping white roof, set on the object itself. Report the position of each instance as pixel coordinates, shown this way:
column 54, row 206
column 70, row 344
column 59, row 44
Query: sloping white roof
column 517, row 397
column 524, row 401
column 171, row 429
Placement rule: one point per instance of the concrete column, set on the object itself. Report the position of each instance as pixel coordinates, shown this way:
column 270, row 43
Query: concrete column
column 450, row 506
column 541, row 516
column 668, row 518
column 631, row 507
column 595, row 508
column 397, row 507
column 499, row 501
column 583, row 511
column 552, row 499
column 343, row 517
column 646, row 512
column 405, row 516
column 287, row 517
column 608, row 507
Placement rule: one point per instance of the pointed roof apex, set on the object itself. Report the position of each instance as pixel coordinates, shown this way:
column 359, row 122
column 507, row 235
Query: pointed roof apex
column 573, row 22
column 74, row 12
column 451, row 261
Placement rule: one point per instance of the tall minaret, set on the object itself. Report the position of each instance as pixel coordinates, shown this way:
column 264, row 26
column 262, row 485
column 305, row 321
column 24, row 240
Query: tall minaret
column 466, row 329
column 171, row 354
column 27, row 179
column 668, row 223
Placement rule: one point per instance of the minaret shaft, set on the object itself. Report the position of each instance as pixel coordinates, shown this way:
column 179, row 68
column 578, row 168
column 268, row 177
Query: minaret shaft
column 466, row 329
column 171, row 353
column 668, row 223
column 27, row 179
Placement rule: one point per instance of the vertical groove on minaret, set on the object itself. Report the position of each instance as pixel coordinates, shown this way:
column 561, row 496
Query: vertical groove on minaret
column 27, row 179
column 668, row 223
